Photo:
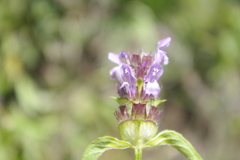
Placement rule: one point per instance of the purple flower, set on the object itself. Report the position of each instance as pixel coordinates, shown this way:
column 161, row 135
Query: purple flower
column 118, row 59
column 160, row 56
column 154, row 73
column 126, row 77
column 126, row 74
column 152, row 89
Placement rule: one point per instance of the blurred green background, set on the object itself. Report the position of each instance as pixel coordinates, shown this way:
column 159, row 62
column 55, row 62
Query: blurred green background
column 55, row 85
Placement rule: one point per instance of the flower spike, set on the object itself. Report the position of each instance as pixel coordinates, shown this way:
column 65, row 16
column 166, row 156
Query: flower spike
column 137, row 76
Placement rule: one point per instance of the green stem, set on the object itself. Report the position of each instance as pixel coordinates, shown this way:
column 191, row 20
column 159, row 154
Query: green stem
column 138, row 153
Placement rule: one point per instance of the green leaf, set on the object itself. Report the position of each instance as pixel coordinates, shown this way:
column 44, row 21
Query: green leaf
column 122, row 101
column 102, row 144
column 175, row 140
column 157, row 102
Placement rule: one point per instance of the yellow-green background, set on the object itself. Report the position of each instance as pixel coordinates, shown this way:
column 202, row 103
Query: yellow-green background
column 55, row 85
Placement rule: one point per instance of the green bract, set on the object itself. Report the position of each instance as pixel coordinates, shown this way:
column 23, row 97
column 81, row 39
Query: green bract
column 122, row 101
column 137, row 131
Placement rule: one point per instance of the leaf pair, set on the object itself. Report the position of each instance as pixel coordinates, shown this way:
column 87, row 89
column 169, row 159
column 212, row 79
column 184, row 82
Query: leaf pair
column 167, row 137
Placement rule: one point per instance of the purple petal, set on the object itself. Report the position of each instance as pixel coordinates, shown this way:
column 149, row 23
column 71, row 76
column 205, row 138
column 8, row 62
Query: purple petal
column 127, row 74
column 119, row 74
column 161, row 57
column 165, row 59
column 113, row 71
column 152, row 89
column 154, row 73
column 123, row 54
column 128, row 89
column 164, row 43
column 126, row 85
column 114, row 58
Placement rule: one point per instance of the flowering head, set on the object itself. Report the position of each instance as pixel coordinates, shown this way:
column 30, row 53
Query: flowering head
column 137, row 76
